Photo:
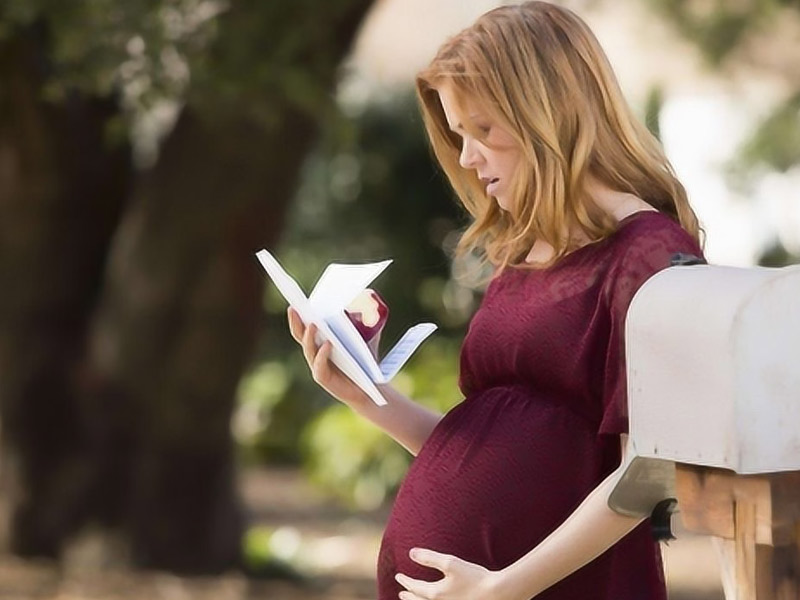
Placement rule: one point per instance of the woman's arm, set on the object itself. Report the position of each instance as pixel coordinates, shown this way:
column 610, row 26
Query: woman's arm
column 407, row 422
column 588, row 532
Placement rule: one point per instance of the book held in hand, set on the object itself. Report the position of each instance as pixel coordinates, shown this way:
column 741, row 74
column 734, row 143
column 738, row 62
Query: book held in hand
column 325, row 307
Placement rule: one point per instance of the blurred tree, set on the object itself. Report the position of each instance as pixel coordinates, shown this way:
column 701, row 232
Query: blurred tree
column 756, row 34
column 731, row 34
column 129, row 310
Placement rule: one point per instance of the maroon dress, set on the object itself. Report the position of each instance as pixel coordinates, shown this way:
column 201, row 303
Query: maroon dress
column 543, row 375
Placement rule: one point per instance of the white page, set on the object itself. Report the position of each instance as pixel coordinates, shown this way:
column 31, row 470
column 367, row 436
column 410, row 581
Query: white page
column 340, row 284
column 404, row 348
column 283, row 281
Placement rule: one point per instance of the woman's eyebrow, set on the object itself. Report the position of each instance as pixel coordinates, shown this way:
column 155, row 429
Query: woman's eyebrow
column 460, row 126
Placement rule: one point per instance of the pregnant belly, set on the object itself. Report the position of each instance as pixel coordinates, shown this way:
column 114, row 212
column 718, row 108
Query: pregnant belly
column 497, row 475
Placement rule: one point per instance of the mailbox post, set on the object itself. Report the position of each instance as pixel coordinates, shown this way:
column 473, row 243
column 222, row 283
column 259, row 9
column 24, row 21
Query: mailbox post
column 713, row 358
column 757, row 517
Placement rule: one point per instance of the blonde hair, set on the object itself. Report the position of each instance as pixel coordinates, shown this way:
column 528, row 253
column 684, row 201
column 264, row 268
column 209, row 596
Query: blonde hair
column 539, row 72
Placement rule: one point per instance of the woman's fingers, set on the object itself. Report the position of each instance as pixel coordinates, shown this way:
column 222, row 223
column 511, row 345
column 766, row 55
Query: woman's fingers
column 317, row 357
column 435, row 560
column 321, row 367
column 309, row 344
column 296, row 326
column 417, row 587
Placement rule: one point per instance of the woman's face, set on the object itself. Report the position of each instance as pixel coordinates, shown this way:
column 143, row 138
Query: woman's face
column 494, row 154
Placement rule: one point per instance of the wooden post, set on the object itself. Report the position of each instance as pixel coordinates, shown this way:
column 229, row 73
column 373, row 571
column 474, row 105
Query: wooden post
column 785, row 571
column 744, row 532
column 758, row 519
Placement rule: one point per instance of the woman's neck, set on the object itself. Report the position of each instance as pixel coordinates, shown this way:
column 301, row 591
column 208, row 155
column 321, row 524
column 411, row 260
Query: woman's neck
column 615, row 204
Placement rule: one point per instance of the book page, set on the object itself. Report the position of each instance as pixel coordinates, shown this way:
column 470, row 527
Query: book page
column 283, row 281
column 349, row 337
column 339, row 284
column 403, row 349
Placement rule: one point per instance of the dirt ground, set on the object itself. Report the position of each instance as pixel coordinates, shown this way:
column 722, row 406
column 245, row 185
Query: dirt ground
column 332, row 549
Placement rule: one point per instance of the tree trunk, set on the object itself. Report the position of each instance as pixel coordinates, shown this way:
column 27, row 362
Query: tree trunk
column 117, row 385
column 61, row 191
column 176, row 328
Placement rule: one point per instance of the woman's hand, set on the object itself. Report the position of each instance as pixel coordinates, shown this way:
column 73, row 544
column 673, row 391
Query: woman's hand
column 324, row 372
column 407, row 422
column 462, row 580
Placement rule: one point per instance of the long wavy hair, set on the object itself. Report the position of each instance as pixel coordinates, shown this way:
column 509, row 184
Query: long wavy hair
column 538, row 71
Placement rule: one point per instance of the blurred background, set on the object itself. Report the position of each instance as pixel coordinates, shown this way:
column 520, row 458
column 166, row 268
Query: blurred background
column 160, row 436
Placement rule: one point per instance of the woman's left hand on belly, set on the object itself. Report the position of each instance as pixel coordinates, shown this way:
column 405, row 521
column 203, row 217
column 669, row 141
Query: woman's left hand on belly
column 462, row 580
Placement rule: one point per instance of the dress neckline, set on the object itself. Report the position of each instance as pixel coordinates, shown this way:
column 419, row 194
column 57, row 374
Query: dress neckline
column 622, row 222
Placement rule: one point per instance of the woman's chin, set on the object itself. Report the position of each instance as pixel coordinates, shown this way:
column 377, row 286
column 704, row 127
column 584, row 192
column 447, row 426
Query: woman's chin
column 502, row 203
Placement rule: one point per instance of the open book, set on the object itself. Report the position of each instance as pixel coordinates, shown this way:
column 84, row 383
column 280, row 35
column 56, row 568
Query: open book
column 335, row 289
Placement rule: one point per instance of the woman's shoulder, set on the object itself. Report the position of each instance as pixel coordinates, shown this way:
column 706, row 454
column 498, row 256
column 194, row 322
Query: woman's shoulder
column 652, row 232
column 643, row 245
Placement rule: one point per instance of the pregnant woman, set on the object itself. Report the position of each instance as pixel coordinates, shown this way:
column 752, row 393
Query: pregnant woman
column 574, row 206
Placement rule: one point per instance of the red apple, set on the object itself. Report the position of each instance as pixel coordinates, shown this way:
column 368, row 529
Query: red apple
column 368, row 312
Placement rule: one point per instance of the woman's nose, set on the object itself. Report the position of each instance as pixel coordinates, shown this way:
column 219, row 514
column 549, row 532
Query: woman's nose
column 469, row 154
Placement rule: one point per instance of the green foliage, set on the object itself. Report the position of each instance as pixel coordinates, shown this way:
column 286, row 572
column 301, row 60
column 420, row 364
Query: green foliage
column 353, row 458
column 239, row 54
column 778, row 256
column 725, row 31
column 776, row 141
column 256, row 548
column 269, row 552
column 142, row 47
column 258, row 396
column 357, row 461
column 269, row 67
column 652, row 110
column 718, row 26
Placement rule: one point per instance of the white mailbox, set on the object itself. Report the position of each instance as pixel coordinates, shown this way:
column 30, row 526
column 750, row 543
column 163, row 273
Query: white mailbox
column 713, row 359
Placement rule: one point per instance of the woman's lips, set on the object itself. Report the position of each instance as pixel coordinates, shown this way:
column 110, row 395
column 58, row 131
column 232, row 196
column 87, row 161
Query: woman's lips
column 491, row 185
